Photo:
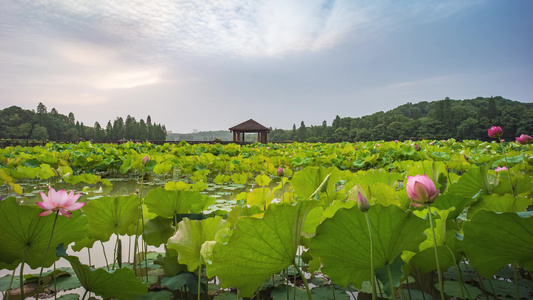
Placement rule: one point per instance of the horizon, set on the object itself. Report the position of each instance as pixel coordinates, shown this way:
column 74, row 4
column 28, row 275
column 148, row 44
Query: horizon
column 208, row 66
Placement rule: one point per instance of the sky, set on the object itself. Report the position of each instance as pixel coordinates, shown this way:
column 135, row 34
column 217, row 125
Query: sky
column 210, row 65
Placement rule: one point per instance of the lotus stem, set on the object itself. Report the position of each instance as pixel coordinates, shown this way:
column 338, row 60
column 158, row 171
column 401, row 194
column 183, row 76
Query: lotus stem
column 84, row 294
column 373, row 280
column 44, row 259
column 459, row 276
column 105, row 256
column 304, row 280
column 199, row 274
column 508, row 170
column 407, row 284
column 392, row 289
column 22, row 273
column 8, row 292
column 55, row 282
column 441, row 284
column 287, row 269
column 516, row 281
column 115, row 253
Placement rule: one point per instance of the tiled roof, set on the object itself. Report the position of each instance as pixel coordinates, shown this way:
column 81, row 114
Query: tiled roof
column 249, row 125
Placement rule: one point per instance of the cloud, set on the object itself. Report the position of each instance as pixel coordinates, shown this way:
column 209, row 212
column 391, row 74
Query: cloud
column 229, row 27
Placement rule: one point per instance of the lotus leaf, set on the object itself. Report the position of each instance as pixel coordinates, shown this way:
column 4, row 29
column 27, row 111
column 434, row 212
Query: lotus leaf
column 22, row 228
column 343, row 245
column 120, row 283
column 190, row 236
column 107, row 216
column 259, row 248
column 493, row 240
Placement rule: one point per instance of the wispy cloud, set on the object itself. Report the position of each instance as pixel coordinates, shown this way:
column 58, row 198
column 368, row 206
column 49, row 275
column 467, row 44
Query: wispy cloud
column 231, row 27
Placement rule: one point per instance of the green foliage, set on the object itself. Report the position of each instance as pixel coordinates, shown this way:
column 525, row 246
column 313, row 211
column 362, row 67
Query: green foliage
column 24, row 232
column 259, row 248
column 492, row 240
column 119, row 284
column 190, row 237
column 343, row 245
column 167, row 204
column 107, row 216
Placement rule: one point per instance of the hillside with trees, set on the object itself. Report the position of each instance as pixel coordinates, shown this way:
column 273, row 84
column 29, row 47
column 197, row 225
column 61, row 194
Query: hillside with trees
column 458, row 119
column 18, row 123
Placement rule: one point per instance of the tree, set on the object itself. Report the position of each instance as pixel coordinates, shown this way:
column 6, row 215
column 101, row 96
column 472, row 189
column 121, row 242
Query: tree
column 39, row 133
column 41, row 109
column 143, row 131
column 109, row 131
column 336, row 123
column 302, row 133
column 99, row 133
column 118, row 129
column 71, row 119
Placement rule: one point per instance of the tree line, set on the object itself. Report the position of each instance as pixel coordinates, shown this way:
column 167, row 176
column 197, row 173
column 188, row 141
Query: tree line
column 18, row 123
column 443, row 119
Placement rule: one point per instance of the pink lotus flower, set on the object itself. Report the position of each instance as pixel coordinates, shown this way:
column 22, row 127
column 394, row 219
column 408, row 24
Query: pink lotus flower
column 281, row 171
column 146, row 159
column 421, row 190
column 498, row 169
column 362, row 202
column 524, row 139
column 495, row 132
column 59, row 202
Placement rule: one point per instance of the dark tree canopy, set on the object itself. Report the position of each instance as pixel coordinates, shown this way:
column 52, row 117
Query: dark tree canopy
column 17, row 123
column 448, row 118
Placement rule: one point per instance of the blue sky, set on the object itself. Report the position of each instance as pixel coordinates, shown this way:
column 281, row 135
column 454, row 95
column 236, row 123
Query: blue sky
column 209, row 65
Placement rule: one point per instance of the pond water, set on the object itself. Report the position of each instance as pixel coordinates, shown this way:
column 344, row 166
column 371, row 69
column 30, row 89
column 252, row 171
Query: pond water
column 224, row 195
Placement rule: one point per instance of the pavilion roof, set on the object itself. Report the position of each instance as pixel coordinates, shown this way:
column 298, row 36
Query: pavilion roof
column 249, row 126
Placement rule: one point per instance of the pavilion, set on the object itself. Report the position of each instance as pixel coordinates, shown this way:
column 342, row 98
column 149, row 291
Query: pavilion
column 250, row 126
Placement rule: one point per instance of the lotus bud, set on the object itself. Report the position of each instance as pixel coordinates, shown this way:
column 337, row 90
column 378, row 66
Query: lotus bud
column 146, row 159
column 524, row 139
column 417, row 147
column 421, row 190
column 362, row 203
column 281, row 171
column 495, row 132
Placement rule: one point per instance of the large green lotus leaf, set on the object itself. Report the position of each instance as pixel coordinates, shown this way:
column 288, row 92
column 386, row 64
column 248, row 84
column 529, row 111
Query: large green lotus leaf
column 167, row 204
column 378, row 193
column 425, row 259
column 108, row 215
column 21, row 227
column 260, row 197
column 377, row 175
column 126, row 165
column 157, row 231
column 458, row 202
column 191, row 235
column 308, row 180
column 474, row 180
column 86, row 242
column 343, row 242
column 497, row 203
column 120, row 283
column 259, row 248
column 522, row 184
column 493, row 240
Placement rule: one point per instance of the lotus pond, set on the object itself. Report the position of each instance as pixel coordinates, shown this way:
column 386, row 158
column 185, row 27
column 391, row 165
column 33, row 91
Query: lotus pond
column 274, row 221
